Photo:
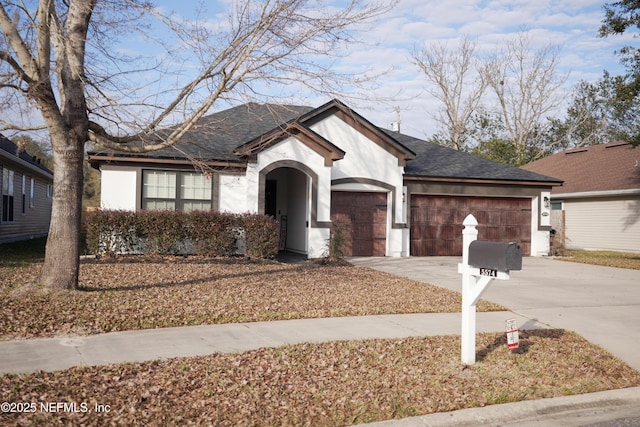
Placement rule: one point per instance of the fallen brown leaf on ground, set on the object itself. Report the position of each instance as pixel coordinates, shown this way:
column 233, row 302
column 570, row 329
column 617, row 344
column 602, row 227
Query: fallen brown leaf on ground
column 337, row 383
column 147, row 292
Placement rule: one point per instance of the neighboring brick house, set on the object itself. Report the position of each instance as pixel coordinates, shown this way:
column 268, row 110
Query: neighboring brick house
column 26, row 194
column 600, row 198
column 311, row 167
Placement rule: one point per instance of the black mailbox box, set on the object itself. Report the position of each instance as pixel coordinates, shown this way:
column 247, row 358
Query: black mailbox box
column 495, row 255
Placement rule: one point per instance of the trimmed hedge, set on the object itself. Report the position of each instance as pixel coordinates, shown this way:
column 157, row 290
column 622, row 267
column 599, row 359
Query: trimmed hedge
column 211, row 233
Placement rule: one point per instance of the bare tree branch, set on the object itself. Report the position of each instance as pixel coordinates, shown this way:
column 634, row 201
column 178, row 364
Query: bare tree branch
column 527, row 85
column 57, row 60
column 457, row 84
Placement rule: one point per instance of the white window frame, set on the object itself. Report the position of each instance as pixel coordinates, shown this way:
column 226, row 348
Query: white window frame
column 8, row 200
column 32, row 193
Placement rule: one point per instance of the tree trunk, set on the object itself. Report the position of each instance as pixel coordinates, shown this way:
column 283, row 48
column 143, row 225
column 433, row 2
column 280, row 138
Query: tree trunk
column 68, row 125
column 62, row 256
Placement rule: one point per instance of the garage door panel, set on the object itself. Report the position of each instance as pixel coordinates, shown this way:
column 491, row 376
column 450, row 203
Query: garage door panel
column 365, row 218
column 361, row 247
column 434, row 247
column 362, row 231
column 448, row 232
column 379, row 216
column 379, row 246
column 436, row 222
column 485, row 217
column 490, row 233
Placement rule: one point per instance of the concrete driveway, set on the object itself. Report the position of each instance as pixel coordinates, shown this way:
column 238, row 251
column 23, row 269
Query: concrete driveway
column 602, row 304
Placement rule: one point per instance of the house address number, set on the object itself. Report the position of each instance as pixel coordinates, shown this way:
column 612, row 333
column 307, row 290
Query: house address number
column 488, row 272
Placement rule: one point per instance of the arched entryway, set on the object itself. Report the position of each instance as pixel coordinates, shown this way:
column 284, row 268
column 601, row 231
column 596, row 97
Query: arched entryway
column 287, row 199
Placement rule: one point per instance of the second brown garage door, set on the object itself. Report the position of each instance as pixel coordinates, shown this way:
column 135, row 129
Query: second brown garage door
column 436, row 222
column 365, row 218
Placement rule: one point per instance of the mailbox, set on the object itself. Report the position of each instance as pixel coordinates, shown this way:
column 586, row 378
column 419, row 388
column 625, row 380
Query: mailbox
column 495, row 255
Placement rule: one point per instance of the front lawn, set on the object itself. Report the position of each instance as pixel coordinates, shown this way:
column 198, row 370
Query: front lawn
column 152, row 292
column 329, row 384
column 336, row 383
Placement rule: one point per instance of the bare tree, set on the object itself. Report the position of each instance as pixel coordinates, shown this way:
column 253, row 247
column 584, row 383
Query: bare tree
column 456, row 83
column 58, row 56
column 527, row 85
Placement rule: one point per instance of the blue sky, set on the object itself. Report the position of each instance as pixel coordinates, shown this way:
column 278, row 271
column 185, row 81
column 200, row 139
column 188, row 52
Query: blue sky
column 571, row 24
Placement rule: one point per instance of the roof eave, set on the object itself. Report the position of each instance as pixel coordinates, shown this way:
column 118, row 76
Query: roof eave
column 23, row 163
column 590, row 194
column 96, row 160
column 526, row 183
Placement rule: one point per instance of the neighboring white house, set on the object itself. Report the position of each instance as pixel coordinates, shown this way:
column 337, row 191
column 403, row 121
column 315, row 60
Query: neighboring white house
column 312, row 167
column 26, row 194
column 600, row 199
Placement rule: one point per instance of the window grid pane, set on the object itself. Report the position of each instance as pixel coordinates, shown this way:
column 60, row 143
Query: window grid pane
column 159, row 185
column 7, row 182
column 159, row 190
column 191, row 205
column 32, row 193
column 195, row 186
column 160, row 205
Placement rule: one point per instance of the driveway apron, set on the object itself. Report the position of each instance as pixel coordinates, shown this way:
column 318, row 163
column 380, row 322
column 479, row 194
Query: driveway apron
column 602, row 304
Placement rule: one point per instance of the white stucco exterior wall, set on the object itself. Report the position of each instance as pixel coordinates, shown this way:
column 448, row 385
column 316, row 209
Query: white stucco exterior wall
column 118, row 189
column 232, row 191
column 364, row 159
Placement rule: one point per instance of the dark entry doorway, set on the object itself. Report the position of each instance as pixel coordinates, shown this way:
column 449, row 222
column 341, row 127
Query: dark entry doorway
column 271, row 197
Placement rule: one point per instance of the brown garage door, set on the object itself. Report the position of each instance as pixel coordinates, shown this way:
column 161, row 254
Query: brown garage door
column 436, row 222
column 365, row 218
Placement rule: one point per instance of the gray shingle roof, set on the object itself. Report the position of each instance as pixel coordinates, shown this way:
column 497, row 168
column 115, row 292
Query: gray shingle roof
column 437, row 161
column 11, row 148
column 215, row 137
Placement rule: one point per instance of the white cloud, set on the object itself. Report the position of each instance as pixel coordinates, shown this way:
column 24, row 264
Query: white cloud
column 571, row 24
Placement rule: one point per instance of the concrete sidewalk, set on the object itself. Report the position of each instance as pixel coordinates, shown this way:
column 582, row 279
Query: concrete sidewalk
column 50, row 354
column 550, row 293
column 602, row 304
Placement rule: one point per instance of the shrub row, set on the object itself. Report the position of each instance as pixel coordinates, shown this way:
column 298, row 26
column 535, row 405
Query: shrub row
column 209, row 233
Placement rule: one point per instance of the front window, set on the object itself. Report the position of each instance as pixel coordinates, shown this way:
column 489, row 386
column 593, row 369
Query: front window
column 32, row 193
column 7, row 195
column 173, row 190
column 195, row 191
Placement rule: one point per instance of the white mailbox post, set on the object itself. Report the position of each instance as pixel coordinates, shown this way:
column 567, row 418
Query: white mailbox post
column 489, row 260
